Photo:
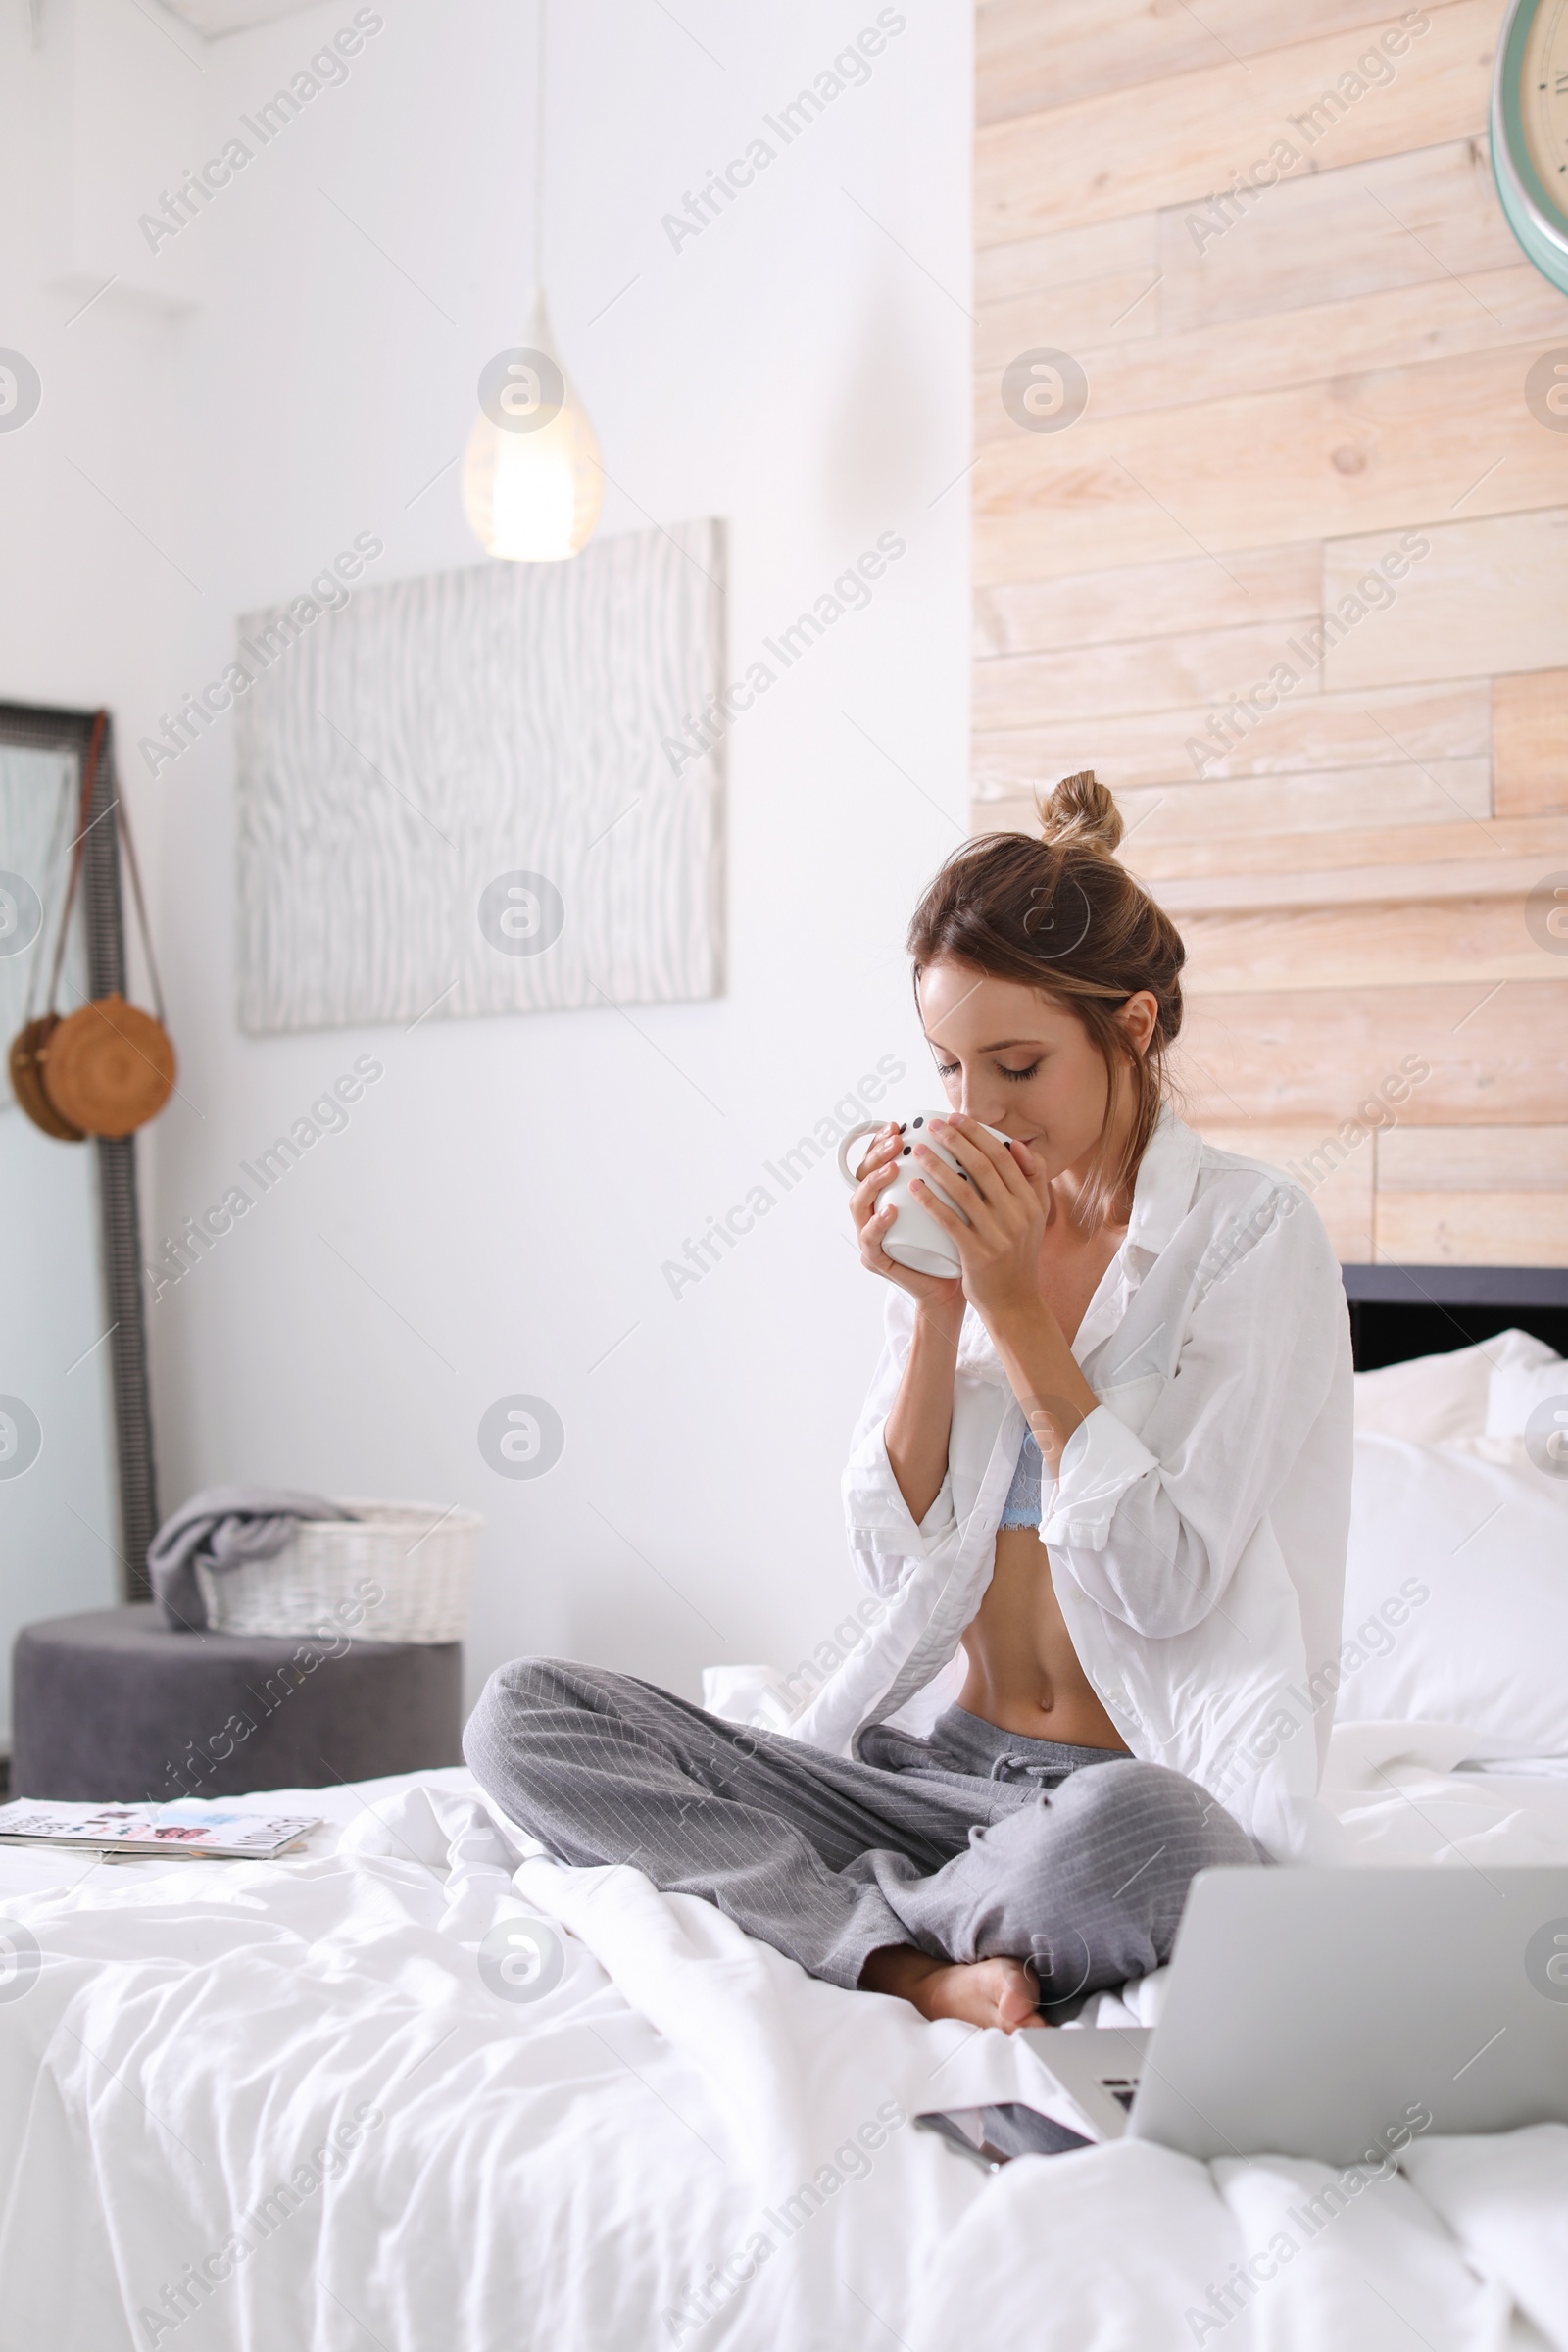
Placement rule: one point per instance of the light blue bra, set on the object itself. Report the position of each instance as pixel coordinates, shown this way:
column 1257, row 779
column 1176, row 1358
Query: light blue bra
column 1022, row 1506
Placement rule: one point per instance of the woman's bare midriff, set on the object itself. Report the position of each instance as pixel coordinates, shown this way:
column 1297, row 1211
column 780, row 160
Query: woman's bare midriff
column 1024, row 1674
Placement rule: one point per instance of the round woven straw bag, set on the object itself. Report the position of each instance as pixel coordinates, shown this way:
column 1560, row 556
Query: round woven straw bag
column 106, row 1068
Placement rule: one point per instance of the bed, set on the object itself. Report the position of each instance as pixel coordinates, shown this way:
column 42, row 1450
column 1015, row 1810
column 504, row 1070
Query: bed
column 419, row 2086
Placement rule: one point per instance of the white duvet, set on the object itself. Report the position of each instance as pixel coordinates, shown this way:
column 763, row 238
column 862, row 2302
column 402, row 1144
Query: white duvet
column 269, row 2105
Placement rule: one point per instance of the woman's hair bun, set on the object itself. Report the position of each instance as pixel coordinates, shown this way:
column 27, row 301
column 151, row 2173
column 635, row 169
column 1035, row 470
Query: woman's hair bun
column 1080, row 815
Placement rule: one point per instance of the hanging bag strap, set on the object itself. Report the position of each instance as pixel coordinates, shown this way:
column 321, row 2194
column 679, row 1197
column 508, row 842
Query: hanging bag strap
column 118, row 808
column 89, row 779
column 142, row 923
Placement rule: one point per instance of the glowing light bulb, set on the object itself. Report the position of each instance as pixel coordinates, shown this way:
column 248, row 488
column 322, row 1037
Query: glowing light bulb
column 531, row 478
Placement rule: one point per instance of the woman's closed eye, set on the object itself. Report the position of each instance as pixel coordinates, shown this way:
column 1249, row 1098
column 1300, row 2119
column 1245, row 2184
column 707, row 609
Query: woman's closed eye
column 950, row 1069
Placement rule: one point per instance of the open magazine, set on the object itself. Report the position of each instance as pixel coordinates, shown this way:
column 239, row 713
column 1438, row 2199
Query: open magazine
column 175, row 1829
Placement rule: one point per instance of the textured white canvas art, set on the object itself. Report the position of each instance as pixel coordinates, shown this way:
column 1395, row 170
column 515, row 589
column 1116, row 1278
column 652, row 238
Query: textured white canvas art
column 485, row 791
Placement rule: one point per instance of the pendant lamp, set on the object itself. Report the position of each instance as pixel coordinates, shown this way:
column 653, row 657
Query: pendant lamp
column 532, row 479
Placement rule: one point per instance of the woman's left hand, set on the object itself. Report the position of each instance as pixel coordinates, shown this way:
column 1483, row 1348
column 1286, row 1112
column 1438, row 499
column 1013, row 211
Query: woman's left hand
column 1009, row 1204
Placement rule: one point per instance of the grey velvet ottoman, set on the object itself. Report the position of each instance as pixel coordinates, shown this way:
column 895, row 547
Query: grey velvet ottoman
column 113, row 1705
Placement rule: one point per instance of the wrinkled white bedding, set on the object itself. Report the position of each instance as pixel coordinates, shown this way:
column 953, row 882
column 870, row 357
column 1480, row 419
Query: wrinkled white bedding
column 685, row 2141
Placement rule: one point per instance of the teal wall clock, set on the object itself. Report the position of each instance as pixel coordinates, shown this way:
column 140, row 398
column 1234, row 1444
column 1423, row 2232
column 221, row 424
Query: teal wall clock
column 1530, row 131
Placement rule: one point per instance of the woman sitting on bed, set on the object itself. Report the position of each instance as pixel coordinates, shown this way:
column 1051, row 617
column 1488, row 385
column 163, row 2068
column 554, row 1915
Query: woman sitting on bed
column 1101, row 1486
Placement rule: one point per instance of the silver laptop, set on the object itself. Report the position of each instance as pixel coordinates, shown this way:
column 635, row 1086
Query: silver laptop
column 1340, row 2013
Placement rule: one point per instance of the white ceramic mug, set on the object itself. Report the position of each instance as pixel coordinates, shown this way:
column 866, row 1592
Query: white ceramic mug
column 914, row 1238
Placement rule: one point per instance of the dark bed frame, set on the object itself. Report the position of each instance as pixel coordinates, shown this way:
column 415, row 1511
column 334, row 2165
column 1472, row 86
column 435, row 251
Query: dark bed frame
column 1401, row 1312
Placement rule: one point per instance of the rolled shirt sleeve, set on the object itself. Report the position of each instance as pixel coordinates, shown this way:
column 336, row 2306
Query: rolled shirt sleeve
column 1149, row 1522
column 1102, row 1459
column 883, row 1533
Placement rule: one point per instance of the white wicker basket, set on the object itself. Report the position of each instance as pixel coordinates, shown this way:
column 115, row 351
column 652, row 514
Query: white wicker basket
column 396, row 1572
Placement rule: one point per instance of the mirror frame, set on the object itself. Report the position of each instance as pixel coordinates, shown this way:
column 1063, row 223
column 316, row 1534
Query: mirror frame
column 118, row 1214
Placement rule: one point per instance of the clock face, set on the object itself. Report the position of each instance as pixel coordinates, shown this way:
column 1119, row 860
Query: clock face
column 1530, row 131
column 1543, row 99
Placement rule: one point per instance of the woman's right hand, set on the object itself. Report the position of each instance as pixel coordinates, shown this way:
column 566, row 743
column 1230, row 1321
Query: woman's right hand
column 872, row 1223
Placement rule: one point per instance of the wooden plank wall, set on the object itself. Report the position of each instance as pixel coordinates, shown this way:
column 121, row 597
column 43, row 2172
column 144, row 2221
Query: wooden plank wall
column 1291, row 388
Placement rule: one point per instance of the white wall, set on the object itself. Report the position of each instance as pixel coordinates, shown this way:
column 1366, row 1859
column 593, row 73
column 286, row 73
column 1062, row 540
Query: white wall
column 96, row 491
column 497, row 1216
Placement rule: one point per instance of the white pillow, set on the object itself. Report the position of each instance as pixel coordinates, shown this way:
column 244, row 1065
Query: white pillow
column 1436, row 1399
column 1531, row 1402
column 1457, row 1595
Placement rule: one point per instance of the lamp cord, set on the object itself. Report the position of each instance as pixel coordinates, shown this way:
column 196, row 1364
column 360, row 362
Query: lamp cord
column 539, row 154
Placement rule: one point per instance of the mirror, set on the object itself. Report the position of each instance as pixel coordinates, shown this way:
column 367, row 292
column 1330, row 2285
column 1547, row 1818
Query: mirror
column 77, row 1501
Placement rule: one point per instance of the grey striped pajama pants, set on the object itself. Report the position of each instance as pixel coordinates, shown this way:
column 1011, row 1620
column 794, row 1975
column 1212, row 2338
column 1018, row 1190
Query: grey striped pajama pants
column 968, row 1844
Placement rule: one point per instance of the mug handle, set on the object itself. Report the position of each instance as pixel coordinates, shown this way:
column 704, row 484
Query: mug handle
column 867, row 1127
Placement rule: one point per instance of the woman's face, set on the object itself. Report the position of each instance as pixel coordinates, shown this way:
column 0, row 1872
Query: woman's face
column 1021, row 1062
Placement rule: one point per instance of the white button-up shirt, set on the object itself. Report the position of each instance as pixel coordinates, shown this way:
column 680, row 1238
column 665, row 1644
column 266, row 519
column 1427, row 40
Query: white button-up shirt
column 1197, row 1525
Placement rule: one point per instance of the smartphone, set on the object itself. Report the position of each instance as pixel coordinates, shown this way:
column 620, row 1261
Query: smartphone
column 991, row 2137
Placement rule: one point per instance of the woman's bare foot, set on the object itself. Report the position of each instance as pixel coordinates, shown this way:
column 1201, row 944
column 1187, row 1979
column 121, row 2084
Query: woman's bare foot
column 982, row 1992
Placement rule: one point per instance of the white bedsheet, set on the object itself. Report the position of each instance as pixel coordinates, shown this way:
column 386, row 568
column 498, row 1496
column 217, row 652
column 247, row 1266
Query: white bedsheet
column 570, row 2171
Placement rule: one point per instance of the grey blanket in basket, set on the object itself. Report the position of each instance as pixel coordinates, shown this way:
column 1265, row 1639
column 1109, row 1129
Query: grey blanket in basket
column 223, row 1527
